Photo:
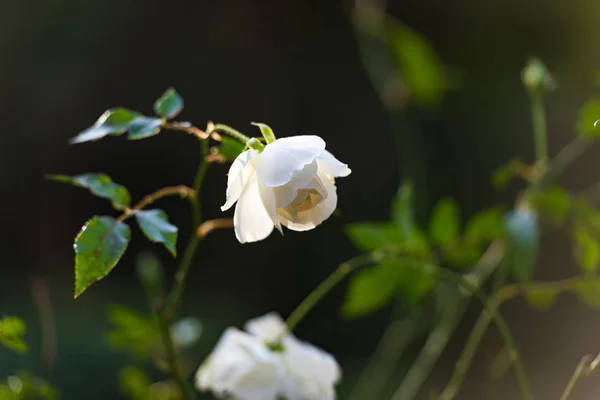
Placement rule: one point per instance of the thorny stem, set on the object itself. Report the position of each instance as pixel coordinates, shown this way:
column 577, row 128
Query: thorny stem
column 234, row 133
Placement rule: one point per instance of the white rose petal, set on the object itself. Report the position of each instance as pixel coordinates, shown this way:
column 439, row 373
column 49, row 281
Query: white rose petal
column 283, row 159
column 290, row 183
column 240, row 366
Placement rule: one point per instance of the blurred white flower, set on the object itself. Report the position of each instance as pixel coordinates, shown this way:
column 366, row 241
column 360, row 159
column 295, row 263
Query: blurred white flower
column 270, row 364
column 240, row 366
column 290, row 183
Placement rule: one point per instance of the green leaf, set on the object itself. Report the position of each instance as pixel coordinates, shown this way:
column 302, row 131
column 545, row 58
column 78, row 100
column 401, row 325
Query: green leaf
column 588, row 115
column 522, row 242
column 368, row 236
column 12, row 330
column 587, row 249
column 588, row 291
column 134, row 383
column 485, row 226
column 169, row 104
column 100, row 185
column 144, row 127
column 98, row 247
column 26, row 386
column 414, row 282
column 114, row 121
column 444, row 226
column 230, row 148
column 266, row 131
column 135, row 333
column 421, row 69
column 505, row 173
column 402, row 210
column 554, row 202
column 155, row 225
column 369, row 290
column 541, row 297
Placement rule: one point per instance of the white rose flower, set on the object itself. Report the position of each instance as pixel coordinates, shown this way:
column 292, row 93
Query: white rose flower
column 290, row 183
column 248, row 367
column 240, row 366
column 309, row 372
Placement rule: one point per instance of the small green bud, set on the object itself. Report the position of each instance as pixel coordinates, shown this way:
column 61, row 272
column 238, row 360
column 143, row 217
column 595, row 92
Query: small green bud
column 535, row 76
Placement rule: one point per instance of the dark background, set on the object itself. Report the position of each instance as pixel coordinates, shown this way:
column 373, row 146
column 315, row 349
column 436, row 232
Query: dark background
column 294, row 65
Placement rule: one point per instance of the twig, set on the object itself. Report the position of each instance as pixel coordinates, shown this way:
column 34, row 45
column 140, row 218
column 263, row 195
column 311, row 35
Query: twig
column 208, row 226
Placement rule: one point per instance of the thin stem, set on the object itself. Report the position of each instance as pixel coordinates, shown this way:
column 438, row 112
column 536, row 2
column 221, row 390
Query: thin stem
column 504, row 294
column 406, row 392
column 383, row 361
column 565, row 157
column 324, row 287
column 171, row 357
column 234, row 133
column 188, row 255
column 466, row 357
column 208, row 226
column 439, row 336
column 185, row 127
column 579, row 372
column 540, row 132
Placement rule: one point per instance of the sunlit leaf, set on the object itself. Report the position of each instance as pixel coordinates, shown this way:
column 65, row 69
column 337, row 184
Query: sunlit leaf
column 505, row 173
column 155, row 225
column 169, row 104
column 114, row 121
column 444, row 226
column 485, row 226
column 369, row 290
column 26, row 386
column 230, row 148
column 541, row 297
column 553, row 202
column 587, row 249
column 144, row 127
column 12, row 330
column 134, row 333
column 414, row 281
column 134, row 383
column 419, row 64
column 98, row 247
column 100, row 185
column 588, row 291
column 522, row 242
column 588, row 115
column 368, row 236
